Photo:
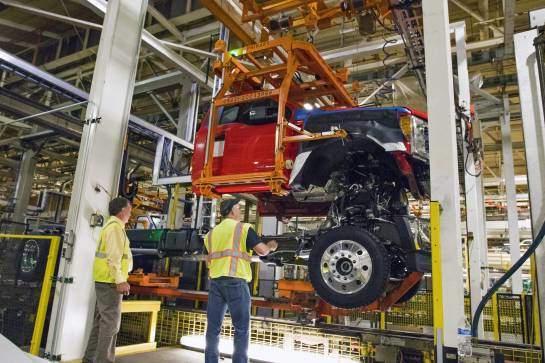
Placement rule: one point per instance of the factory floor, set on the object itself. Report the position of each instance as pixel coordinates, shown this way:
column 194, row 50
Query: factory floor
column 166, row 355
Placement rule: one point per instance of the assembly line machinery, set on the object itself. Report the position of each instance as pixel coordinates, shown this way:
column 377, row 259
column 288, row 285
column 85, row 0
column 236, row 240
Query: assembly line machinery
column 315, row 80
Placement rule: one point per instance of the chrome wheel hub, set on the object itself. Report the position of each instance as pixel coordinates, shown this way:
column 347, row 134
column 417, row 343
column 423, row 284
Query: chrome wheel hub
column 346, row 267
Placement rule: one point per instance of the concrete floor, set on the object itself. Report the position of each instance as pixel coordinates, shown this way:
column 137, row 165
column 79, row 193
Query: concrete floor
column 166, row 355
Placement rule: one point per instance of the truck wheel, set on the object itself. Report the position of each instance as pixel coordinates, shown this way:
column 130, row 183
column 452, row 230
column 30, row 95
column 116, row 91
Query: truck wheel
column 349, row 267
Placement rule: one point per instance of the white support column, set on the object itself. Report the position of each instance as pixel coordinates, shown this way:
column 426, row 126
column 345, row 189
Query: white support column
column 533, row 124
column 97, row 174
column 511, row 194
column 474, row 201
column 444, row 167
column 23, row 188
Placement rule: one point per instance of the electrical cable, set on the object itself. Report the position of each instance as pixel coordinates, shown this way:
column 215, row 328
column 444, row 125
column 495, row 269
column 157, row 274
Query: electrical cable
column 377, row 18
column 467, row 170
column 383, row 94
column 531, row 249
column 470, row 148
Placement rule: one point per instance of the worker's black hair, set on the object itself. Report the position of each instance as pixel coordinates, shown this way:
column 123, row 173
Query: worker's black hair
column 116, row 205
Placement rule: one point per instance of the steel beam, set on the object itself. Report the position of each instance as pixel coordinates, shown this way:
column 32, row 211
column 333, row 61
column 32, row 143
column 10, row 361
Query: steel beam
column 231, row 17
column 165, row 23
column 189, row 107
column 533, row 125
column 497, row 31
column 187, row 49
column 97, row 174
column 362, row 48
column 511, row 194
column 508, row 25
column 63, row 124
column 51, row 15
column 444, row 170
column 162, row 50
column 375, row 47
column 368, row 48
column 155, row 44
column 13, row 123
column 399, row 74
column 189, row 69
column 23, row 187
column 153, row 83
column 475, row 215
column 163, row 109
column 75, row 93
column 480, row 92
column 27, row 28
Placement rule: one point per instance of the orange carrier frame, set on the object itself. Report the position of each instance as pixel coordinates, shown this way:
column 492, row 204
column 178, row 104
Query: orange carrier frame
column 267, row 70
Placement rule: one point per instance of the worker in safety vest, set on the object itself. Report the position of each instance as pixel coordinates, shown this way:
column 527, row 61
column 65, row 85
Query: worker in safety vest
column 113, row 261
column 229, row 246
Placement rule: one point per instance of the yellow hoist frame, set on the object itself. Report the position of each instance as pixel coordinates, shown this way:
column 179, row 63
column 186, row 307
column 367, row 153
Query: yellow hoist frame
column 267, row 70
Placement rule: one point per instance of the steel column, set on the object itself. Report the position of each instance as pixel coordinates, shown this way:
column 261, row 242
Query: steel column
column 97, row 173
column 534, row 139
column 189, row 107
column 474, row 201
column 444, row 166
column 511, row 194
column 23, row 188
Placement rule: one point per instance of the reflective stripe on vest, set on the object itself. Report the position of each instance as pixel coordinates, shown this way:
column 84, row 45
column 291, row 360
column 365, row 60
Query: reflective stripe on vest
column 234, row 252
column 101, row 271
column 103, row 254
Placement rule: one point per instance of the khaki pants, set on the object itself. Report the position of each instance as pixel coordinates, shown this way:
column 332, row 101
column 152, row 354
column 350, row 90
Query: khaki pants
column 101, row 344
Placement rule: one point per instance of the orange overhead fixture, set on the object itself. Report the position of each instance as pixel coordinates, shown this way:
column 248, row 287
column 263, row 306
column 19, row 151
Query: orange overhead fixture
column 228, row 15
column 285, row 70
column 280, row 15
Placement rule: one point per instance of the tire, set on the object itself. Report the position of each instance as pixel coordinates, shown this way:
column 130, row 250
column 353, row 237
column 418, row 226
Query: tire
column 410, row 294
column 372, row 264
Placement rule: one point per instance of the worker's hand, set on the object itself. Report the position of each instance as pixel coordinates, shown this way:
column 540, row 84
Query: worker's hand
column 272, row 245
column 123, row 288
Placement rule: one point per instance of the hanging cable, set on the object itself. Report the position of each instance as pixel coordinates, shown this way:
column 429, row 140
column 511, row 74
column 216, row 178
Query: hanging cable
column 504, row 278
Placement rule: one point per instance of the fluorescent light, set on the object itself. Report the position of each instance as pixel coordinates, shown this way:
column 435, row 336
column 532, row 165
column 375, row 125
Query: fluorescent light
column 317, row 105
column 308, row 106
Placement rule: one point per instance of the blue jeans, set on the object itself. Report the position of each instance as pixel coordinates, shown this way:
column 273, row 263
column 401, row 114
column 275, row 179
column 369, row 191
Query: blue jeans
column 232, row 293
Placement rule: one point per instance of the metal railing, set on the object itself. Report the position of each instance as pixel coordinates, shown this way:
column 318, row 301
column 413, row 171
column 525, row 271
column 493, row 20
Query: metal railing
column 138, row 327
column 507, row 317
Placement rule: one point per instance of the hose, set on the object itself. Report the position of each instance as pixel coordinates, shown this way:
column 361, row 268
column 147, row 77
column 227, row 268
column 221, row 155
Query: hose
column 504, row 278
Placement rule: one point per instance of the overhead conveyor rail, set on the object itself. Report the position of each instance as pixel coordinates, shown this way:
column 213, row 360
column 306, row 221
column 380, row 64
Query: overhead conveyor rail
column 286, row 70
column 32, row 73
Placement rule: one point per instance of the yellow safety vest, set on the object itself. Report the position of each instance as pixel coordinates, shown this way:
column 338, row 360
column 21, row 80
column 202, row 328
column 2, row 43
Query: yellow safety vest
column 101, row 270
column 226, row 246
